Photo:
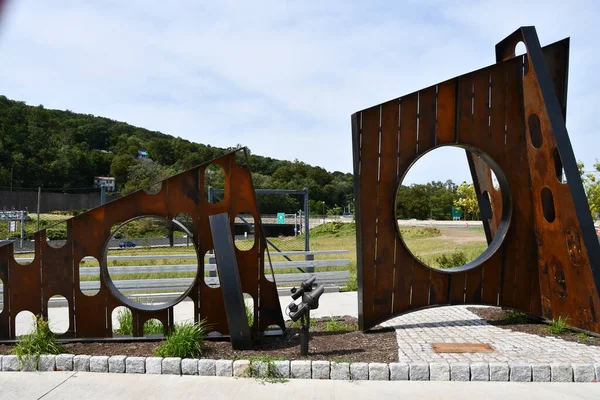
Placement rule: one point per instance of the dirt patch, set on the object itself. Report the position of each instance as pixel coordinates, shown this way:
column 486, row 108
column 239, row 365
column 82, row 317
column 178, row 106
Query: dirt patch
column 498, row 317
column 345, row 346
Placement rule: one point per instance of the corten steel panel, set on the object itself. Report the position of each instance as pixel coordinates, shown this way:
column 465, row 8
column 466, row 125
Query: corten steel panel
column 55, row 271
column 229, row 279
column 543, row 255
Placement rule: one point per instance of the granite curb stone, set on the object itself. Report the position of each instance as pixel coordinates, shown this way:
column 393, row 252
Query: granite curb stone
column 81, row 363
column 283, row 368
column 439, row 371
column 300, row 369
column 189, row 366
column 398, row 371
column 240, row 368
column 320, row 370
column 99, row 364
column 135, row 365
column 259, row 369
column 224, row 367
column 379, row 372
column 340, row 371
column 64, row 362
column 460, row 372
column 154, row 365
column 418, row 371
column 359, row 371
column 583, row 372
column 47, row 362
column 116, row 364
column 499, row 372
column 560, row 372
column 307, row 369
column 480, row 372
column 520, row 372
column 206, row 367
column 541, row 372
column 171, row 366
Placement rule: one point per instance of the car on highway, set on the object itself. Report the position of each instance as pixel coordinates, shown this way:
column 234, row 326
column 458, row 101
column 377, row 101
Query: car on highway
column 126, row 244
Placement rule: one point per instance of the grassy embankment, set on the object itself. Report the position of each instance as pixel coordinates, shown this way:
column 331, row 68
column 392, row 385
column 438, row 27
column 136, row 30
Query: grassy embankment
column 428, row 244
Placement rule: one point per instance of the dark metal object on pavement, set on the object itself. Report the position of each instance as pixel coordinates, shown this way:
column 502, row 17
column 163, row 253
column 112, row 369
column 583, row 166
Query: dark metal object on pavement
column 55, row 271
column 543, row 256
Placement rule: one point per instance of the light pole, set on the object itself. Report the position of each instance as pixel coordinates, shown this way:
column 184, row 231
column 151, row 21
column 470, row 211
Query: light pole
column 323, row 211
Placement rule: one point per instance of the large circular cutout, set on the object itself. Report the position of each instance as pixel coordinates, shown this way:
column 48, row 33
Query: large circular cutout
column 148, row 266
column 443, row 218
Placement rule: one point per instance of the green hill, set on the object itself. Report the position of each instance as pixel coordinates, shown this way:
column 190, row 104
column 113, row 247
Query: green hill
column 63, row 151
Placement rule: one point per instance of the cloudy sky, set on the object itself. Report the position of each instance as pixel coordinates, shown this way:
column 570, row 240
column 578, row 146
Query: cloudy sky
column 282, row 77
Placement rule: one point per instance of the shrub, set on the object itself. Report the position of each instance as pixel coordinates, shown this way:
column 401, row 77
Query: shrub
column 451, row 261
column 41, row 341
column 186, row 341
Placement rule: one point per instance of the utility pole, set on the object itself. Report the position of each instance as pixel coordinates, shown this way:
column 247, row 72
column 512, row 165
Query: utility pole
column 39, row 200
column 102, row 194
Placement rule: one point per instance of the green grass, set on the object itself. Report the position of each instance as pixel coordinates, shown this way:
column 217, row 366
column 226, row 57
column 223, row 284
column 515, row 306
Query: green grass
column 335, row 325
column 269, row 374
column 250, row 315
column 430, row 245
column 514, row 317
column 186, row 341
column 125, row 320
column 582, row 337
column 558, row 326
column 41, row 341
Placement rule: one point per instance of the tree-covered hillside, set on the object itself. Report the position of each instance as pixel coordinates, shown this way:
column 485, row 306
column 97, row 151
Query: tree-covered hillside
column 64, row 150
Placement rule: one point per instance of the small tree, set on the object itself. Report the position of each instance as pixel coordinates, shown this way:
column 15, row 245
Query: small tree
column 467, row 200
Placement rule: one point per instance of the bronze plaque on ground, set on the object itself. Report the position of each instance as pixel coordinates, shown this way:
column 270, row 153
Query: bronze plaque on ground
column 462, row 347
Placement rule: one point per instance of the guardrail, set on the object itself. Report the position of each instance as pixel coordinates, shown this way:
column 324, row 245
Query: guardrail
column 160, row 286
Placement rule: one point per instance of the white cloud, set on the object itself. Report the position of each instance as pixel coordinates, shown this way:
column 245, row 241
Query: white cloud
column 280, row 77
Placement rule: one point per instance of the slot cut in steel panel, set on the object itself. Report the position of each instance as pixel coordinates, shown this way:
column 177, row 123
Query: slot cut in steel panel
column 543, row 256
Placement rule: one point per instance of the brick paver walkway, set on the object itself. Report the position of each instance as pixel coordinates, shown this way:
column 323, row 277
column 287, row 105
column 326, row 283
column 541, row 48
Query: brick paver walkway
column 417, row 330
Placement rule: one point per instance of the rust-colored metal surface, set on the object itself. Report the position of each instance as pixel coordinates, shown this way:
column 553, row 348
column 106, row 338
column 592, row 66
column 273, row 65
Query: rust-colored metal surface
column 543, row 256
column 56, row 271
column 462, row 347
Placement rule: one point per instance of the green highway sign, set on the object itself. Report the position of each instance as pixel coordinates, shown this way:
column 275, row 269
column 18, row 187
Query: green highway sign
column 280, row 218
column 456, row 213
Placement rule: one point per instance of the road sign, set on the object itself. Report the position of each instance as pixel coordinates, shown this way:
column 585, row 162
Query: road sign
column 456, row 213
column 12, row 215
column 280, row 218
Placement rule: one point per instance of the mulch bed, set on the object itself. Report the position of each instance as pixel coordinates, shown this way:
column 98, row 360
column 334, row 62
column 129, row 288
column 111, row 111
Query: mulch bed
column 498, row 317
column 347, row 346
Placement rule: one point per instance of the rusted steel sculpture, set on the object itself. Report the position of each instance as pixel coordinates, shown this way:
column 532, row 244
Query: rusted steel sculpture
column 56, row 271
column 543, row 257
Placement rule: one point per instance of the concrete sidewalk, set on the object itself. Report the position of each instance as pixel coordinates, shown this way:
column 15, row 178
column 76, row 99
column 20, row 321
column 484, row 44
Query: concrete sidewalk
column 87, row 385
